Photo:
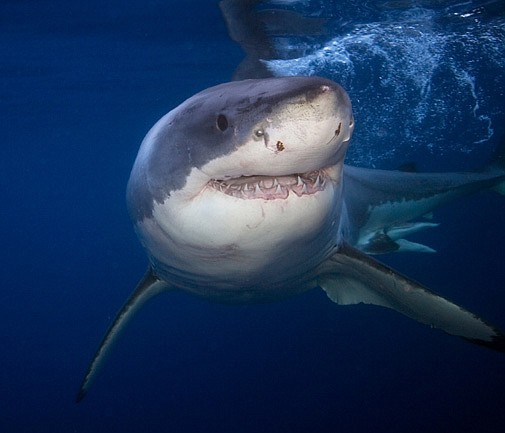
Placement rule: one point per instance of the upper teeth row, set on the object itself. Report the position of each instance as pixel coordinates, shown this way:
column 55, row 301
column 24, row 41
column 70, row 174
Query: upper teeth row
column 272, row 187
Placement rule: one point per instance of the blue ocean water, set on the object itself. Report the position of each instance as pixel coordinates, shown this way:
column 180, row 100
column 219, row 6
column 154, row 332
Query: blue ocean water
column 81, row 83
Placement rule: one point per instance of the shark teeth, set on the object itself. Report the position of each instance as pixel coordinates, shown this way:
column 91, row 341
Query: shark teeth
column 270, row 187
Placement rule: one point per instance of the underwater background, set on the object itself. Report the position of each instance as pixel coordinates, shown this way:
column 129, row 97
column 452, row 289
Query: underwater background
column 80, row 85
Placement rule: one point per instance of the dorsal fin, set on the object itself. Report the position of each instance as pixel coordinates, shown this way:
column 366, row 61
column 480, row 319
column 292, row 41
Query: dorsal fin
column 149, row 286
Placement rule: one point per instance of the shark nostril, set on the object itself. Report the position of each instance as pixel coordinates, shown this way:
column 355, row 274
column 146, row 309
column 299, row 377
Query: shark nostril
column 315, row 92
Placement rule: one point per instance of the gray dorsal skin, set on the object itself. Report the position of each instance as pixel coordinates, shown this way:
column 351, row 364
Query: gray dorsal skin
column 241, row 195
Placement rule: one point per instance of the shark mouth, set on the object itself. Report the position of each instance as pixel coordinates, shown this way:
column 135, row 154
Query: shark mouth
column 272, row 187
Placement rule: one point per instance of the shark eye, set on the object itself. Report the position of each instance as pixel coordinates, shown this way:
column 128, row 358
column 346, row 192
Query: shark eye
column 222, row 122
column 259, row 133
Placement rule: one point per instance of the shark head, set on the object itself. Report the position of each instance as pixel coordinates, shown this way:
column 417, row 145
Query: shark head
column 240, row 184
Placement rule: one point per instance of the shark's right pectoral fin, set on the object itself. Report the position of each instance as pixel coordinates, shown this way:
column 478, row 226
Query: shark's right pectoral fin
column 352, row 277
column 148, row 287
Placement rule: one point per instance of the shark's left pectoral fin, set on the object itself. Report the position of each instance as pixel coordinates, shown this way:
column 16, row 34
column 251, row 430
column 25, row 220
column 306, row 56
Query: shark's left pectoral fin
column 352, row 277
column 148, row 287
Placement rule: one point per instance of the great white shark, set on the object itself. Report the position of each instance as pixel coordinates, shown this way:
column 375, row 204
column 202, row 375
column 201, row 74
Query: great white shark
column 241, row 195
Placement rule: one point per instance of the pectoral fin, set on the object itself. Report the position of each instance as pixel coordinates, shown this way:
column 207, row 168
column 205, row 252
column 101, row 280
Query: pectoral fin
column 148, row 287
column 352, row 277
